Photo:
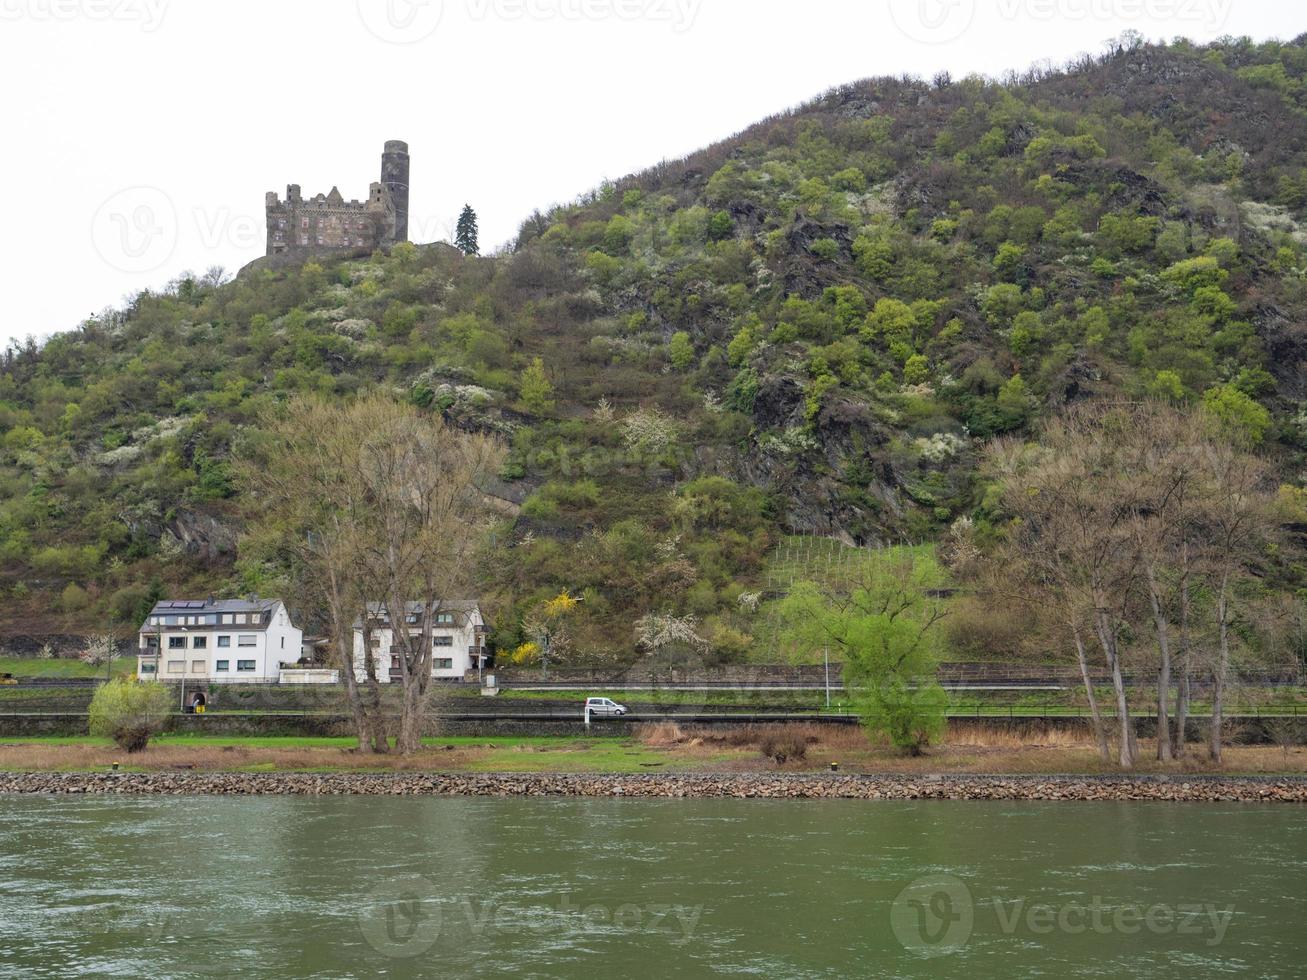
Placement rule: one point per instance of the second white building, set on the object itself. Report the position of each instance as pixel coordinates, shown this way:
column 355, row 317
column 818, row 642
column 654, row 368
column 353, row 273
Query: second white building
column 457, row 639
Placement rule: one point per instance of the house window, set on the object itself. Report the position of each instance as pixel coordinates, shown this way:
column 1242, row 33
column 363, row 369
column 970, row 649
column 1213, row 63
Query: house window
column 444, row 663
column 224, row 641
column 244, row 664
column 222, row 665
column 152, row 642
column 147, row 669
column 199, row 642
column 226, row 619
column 442, row 641
column 197, row 666
column 247, row 640
column 176, row 666
column 240, row 619
column 444, row 617
column 176, row 643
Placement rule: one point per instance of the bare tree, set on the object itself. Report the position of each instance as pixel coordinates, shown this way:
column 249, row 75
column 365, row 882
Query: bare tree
column 1080, row 562
column 1236, row 523
column 1120, row 513
column 310, row 522
column 367, row 502
column 422, row 480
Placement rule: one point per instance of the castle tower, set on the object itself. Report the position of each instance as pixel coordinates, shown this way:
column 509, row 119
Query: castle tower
column 394, row 174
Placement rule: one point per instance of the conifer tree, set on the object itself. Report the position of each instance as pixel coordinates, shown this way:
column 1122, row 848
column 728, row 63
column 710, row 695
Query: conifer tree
column 465, row 235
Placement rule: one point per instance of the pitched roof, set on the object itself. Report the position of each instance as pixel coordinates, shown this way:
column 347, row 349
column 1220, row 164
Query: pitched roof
column 414, row 607
column 190, row 607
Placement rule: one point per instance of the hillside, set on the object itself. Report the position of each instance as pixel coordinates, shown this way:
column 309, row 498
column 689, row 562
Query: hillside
column 808, row 328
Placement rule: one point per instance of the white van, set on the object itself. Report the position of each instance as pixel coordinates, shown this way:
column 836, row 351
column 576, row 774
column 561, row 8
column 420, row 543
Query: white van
column 604, row 706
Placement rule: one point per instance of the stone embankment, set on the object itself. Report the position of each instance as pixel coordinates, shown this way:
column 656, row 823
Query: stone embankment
column 1251, row 789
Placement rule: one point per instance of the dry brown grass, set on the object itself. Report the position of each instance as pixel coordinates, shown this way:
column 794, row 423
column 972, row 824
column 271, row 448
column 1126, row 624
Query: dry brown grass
column 162, row 756
column 660, row 735
column 1036, row 747
column 701, row 748
column 1026, row 735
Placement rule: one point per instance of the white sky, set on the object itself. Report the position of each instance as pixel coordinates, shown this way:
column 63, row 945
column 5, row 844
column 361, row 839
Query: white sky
column 141, row 135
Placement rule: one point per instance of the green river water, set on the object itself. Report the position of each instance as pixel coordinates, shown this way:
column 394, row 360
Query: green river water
column 453, row 887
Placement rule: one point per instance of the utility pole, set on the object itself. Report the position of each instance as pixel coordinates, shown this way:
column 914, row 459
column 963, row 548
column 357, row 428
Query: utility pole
column 827, row 658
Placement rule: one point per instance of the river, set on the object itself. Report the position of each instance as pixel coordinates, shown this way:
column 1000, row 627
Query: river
column 452, row 887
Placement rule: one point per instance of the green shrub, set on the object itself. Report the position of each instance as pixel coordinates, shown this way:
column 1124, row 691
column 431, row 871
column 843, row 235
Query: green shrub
column 535, row 390
column 73, row 598
column 681, row 350
column 825, row 248
column 130, row 712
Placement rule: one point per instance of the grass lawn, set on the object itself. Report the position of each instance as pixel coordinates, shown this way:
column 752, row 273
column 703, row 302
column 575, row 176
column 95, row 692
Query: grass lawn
column 61, row 667
column 665, row 747
column 568, row 753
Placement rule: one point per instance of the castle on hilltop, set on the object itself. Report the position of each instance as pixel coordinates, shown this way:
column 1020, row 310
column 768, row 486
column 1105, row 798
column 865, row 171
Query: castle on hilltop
column 297, row 226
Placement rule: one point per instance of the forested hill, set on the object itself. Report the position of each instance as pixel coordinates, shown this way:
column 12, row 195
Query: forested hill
column 810, row 327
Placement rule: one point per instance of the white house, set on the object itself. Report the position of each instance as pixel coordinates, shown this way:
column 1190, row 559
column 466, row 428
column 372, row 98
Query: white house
column 223, row 640
column 457, row 638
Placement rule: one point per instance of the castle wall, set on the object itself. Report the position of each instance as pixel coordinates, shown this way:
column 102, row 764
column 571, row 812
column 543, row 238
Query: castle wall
column 312, row 226
column 328, row 222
